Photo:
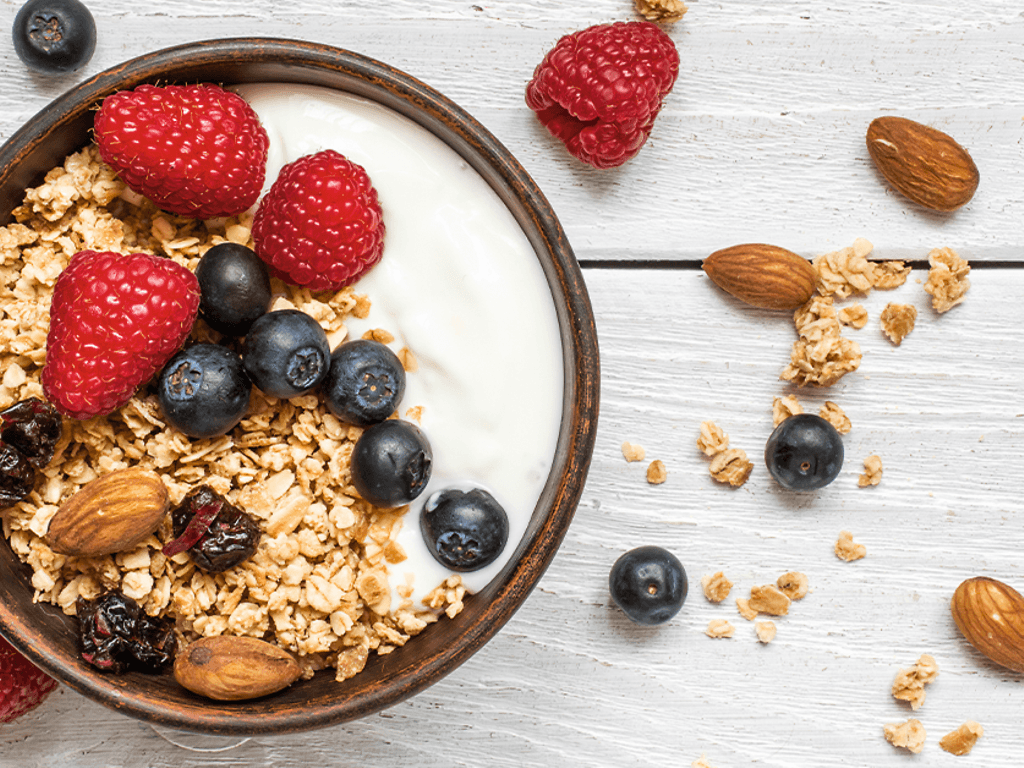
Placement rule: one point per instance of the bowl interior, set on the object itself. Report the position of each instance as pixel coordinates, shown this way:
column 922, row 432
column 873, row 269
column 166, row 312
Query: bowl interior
column 49, row 637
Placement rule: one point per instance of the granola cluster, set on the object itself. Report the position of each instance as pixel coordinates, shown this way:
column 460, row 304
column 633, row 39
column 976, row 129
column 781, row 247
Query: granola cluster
column 947, row 279
column 661, row 10
column 728, row 465
column 318, row 584
column 821, row 355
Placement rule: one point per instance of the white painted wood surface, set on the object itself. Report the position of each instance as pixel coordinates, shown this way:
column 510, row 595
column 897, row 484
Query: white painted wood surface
column 761, row 140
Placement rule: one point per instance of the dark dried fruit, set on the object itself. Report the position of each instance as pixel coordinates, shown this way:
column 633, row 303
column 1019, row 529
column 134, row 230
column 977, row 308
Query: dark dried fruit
column 33, row 427
column 216, row 534
column 16, row 476
column 116, row 635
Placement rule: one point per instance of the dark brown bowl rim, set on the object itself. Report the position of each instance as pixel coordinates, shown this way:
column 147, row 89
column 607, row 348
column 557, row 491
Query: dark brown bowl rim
column 235, row 60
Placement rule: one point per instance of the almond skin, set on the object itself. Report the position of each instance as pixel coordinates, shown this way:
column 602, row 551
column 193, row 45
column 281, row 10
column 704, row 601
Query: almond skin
column 228, row 668
column 113, row 513
column 922, row 163
column 764, row 276
column 990, row 614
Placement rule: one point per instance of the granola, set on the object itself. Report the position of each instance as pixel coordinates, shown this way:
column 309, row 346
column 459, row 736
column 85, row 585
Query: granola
column 318, row 584
column 661, row 10
column 820, row 355
column 769, row 599
column 712, row 439
column 793, row 585
column 872, row 474
column 890, row 274
column 947, row 279
column 962, row 740
column 847, row 550
column 909, row 683
column 718, row 628
column 632, row 452
column 854, row 316
column 898, row 321
column 909, row 735
column 765, row 631
column 656, row 472
column 784, row 407
column 835, row 416
column 846, row 271
column 731, row 466
column 716, row 587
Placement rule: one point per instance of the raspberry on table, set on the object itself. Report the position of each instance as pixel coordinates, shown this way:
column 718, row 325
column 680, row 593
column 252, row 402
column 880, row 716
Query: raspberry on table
column 320, row 226
column 197, row 150
column 115, row 320
column 600, row 89
column 23, row 686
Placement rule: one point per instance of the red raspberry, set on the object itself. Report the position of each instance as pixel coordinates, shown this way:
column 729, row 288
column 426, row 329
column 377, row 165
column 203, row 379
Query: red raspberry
column 115, row 320
column 320, row 225
column 23, row 686
column 598, row 90
column 194, row 150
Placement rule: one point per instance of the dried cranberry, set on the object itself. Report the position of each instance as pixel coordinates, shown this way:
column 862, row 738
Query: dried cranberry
column 117, row 635
column 16, row 476
column 33, row 427
column 231, row 537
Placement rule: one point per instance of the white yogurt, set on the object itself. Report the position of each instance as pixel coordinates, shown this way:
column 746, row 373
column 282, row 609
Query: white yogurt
column 460, row 285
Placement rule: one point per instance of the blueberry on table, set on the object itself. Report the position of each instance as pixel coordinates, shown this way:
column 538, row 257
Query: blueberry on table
column 286, row 353
column 804, row 453
column 204, row 390
column 391, row 463
column 234, row 286
column 649, row 584
column 464, row 530
column 54, row 36
column 365, row 382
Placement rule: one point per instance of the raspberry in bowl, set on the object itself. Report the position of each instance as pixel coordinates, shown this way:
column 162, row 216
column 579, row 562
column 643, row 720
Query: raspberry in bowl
column 475, row 292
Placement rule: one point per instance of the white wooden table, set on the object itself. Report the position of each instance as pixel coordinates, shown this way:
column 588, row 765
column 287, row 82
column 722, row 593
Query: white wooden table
column 761, row 140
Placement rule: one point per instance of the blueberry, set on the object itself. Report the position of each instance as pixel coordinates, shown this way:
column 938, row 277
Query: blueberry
column 804, row 453
column 235, row 288
column 464, row 530
column 391, row 463
column 286, row 353
column 649, row 584
column 203, row 390
column 54, row 36
column 365, row 382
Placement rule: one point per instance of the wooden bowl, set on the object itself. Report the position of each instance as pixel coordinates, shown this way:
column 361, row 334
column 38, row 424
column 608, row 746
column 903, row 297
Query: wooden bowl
column 49, row 638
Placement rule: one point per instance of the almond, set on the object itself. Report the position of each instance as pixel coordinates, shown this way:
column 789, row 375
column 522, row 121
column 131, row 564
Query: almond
column 229, row 668
column 922, row 163
column 990, row 614
column 765, row 276
column 113, row 513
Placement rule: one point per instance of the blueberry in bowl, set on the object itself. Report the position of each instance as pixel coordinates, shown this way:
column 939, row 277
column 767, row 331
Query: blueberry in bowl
column 365, row 382
column 286, row 353
column 204, row 390
column 234, row 287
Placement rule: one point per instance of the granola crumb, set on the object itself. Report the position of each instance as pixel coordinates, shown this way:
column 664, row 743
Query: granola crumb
column 769, row 599
column 821, row 355
column 890, row 274
column 661, row 10
column 633, row 452
column 656, row 472
column 947, row 279
column 846, row 271
column 784, row 407
column 909, row 683
column 716, row 586
column 854, row 316
column 731, row 466
column 898, row 321
column 847, row 550
column 743, row 606
column 872, row 474
column 793, row 585
column 701, row 762
column 719, row 628
column 765, row 631
column 712, row 439
column 962, row 740
column 909, row 735
column 835, row 416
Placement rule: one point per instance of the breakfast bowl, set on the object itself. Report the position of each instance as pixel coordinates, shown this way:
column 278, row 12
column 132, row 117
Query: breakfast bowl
column 49, row 635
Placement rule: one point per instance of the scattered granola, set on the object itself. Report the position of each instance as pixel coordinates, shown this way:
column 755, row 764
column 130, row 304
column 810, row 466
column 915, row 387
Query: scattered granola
column 765, row 631
column 820, row 355
column 854, row 316
column 890, row 274
column 846, row 271
column 743, row 606
column 947, row 279
column 793, row 584
column 962, row 740
column 633, row 452
column 712, row 439
column 769, row 599
column 872, row 474
column 719, row 628
column 846, row 549
column 716, row 587
column 909, row 683
column 909, row 735
column 656, row 472
column 898, row 321
column 661, row 10
column 701, row 762
column 784, row 407
column 731, row 466
column 317, row 584
column 835, row 416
